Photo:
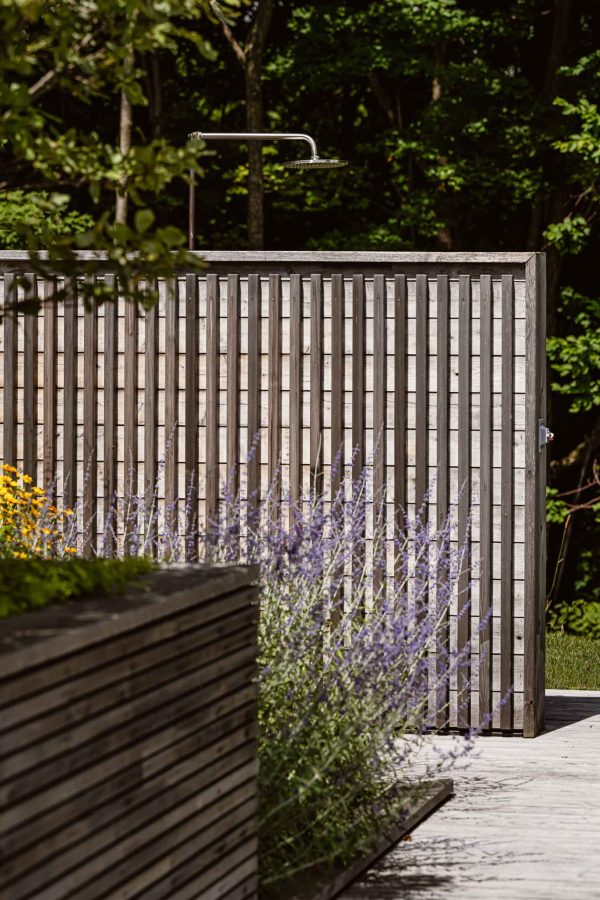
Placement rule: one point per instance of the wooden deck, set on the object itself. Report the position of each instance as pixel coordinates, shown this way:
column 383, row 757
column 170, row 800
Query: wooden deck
column 525, row 821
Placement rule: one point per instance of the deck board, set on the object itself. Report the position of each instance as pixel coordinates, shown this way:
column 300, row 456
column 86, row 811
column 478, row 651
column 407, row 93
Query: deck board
column 525, row 821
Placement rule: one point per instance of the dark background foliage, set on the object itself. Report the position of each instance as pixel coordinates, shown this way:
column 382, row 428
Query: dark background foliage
column 468, row 126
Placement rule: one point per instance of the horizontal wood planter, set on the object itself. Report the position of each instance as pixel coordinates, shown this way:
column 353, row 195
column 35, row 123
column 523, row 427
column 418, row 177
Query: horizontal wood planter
column 437, row 793
column 128, row 742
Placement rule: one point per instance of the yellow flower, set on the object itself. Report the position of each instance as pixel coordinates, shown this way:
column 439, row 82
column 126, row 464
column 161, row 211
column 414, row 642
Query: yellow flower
column 21, row 555
column 70, row 549
column 27, row 479
column 46, row 531
column 8, row 468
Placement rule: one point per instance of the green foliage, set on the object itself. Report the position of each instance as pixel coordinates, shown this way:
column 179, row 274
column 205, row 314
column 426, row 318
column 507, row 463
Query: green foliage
column 576, row 357
column 579, row 617
column 90, row 54
column 27, row 585
column 572, row 662
column 40, row 214
column 557, row 511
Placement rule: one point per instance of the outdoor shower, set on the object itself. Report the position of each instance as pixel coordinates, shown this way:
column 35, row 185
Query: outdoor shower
column 315, row 162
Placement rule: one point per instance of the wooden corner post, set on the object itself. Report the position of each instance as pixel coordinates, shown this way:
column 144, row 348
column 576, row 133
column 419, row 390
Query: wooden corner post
column 535, row 495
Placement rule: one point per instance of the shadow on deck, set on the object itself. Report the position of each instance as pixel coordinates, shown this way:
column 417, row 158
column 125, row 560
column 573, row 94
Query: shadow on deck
column 564, row 709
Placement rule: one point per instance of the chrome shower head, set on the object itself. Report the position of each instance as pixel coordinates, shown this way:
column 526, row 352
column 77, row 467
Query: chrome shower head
column 315, row 163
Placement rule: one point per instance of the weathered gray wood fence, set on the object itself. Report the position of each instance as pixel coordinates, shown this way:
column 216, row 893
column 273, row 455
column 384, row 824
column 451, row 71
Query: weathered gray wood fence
column 128, row 743
column 436, row 360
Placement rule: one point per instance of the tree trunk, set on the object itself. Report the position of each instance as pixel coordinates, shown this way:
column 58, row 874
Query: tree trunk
column 125, row 132
column 254, row 122
column 154, row 82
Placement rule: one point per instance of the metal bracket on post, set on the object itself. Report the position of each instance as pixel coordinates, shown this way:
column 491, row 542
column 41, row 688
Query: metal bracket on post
column 545, row 436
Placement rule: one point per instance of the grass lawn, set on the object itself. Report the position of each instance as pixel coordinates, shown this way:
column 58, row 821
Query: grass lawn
column 572, row 662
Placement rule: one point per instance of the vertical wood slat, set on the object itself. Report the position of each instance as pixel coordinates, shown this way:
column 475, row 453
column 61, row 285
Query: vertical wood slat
column 30, row 383
column 171, row 406
column 50, row 397
column 9, row 428
column 379, row 428
column 337, row 424
column 296, row 422
column 212, row 408
column 130, row 439
column 422, row 397
column 254, row 352
column 233, row 396
column 486, row 350
column 400, row 391
column 70, row 396
column 464, row 499
column 274, row 396
column 316, row 384
column 151, row 425
column 358, row 406
column 358, row 375
column 536, row 461
column 90, row 426
column 111, row 340
column 507, row 499
column 192, row 369
column 296, row 419
column 443, row 499
column 337, row 383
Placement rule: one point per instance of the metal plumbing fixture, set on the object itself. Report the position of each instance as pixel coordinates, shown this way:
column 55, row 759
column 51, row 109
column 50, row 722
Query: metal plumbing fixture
column 315, row 161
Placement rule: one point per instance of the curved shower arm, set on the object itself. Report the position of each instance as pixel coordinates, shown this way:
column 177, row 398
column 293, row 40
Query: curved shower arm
column 255, row 136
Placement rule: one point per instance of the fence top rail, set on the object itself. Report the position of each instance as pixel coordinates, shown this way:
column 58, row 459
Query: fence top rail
column 322, row 256
column 244, row 262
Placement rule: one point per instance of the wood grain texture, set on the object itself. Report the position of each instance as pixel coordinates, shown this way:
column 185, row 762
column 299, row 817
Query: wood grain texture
column 506, row 537
column 358, row 375
column 212, row 411
column 151, row 332
column 171, row 406
column 489, row 843
column 400, row 411
column 316, row 384
column 295, row 396
column 109, row 368
column 70, row 396
column 254, row 434
column 9, row 430
column 442, row 500
column 133, row 787
column 464, row 499
column 274, row 395
column 50, row 389
column 535, row 466
column 379, row 427
column 90, row 428
column 337, row 382
column 30, row 382
column 233, row 396
column 485, row 503
column 192, row 415
column 422, row 396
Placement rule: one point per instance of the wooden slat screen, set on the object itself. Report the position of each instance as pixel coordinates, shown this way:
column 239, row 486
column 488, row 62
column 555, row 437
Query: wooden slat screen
column 128, row 735
column 273, row 365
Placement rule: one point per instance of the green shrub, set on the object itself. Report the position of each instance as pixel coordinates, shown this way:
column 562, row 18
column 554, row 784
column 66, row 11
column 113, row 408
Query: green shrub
column 30, row 584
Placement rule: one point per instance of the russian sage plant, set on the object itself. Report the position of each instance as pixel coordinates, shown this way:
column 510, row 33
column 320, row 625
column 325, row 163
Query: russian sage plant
column 346, row 676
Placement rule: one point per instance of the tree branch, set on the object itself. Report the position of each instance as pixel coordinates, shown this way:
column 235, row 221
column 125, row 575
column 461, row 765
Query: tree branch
column 238, row 50
column 382, row 98
column 257, row 38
